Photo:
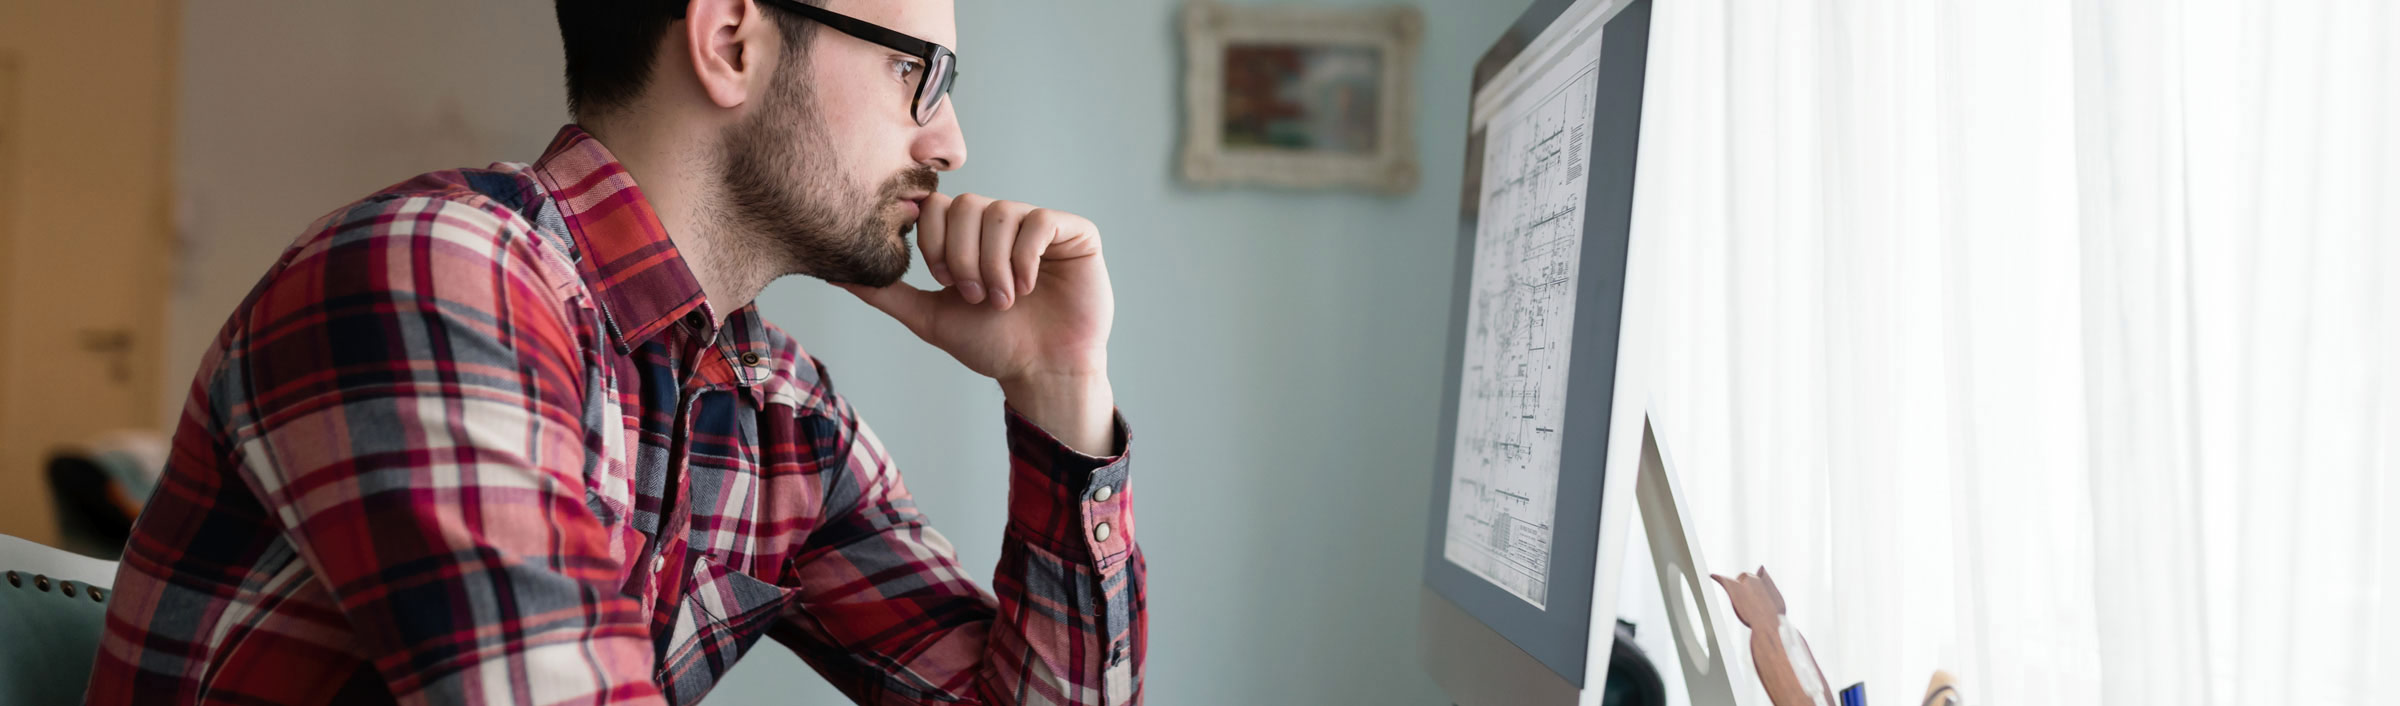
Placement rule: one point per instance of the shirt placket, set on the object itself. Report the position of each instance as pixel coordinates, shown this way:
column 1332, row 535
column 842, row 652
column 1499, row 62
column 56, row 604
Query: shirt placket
column 667, row 567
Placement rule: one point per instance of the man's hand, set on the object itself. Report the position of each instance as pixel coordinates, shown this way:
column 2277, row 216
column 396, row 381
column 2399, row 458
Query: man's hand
column 1026, row 302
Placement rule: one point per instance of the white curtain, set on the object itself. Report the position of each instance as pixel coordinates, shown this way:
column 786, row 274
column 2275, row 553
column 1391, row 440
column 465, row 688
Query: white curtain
column 2048, row 343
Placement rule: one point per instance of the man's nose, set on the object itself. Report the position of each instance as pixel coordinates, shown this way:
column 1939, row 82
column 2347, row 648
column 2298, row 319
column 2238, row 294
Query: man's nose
column 941, row 144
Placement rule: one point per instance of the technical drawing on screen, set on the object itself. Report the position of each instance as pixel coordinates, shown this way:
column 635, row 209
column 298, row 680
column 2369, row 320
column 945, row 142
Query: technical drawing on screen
column 1520, row 331
column 1541, row 420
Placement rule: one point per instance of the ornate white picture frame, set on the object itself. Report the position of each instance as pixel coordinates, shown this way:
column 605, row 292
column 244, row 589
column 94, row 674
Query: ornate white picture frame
column 1321, row 98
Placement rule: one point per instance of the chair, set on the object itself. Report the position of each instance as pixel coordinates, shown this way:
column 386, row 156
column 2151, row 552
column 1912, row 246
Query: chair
column 52, row 603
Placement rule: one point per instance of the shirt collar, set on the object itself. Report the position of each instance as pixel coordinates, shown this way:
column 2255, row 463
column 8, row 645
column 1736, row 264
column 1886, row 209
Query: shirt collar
column 640, row 281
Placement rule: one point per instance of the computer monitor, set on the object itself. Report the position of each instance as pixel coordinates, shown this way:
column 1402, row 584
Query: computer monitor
column 1535, row 473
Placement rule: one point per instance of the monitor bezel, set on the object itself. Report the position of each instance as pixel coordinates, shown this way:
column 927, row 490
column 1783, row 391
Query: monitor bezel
column 1559, row 635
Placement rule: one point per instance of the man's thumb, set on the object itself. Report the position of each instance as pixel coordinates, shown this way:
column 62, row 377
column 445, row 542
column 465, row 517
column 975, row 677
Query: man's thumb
column 901, row 301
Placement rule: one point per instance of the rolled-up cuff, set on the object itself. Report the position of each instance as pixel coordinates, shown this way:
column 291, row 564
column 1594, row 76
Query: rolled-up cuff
column 1069, row 503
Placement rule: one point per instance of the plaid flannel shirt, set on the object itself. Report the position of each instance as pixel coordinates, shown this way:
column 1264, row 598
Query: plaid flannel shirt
column 475, row 440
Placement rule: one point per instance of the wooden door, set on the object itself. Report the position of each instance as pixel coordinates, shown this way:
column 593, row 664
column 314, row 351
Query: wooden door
column 86, row 110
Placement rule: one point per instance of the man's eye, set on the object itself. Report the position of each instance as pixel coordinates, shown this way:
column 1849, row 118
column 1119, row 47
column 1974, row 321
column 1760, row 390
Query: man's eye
column 904, row 68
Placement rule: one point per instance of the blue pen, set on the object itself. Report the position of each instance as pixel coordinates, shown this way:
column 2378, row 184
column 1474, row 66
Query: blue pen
column 1856, row 695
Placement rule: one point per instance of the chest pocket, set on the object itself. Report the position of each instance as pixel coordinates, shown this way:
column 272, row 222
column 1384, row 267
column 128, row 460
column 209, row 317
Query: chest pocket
column 724, row 613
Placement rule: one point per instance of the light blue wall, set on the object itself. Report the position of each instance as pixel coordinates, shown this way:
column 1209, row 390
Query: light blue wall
column 1277, row 355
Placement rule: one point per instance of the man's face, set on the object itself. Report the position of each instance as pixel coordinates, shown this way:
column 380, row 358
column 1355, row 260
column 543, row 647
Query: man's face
column 828, row 168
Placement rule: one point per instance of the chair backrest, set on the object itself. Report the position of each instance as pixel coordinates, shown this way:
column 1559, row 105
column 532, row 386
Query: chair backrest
column 52, row 603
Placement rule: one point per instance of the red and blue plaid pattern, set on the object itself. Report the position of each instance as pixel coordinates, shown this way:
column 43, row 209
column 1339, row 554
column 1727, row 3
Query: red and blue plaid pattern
column 475, row 440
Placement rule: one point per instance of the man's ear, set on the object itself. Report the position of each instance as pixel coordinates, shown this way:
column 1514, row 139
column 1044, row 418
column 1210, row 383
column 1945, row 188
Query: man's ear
column 727, row 41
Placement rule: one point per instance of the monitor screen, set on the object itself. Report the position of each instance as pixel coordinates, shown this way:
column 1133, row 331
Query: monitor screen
column 1540, row 287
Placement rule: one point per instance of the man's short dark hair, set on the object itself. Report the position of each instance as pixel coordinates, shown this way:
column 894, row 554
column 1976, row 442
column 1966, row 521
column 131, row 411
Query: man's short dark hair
column 610, row 45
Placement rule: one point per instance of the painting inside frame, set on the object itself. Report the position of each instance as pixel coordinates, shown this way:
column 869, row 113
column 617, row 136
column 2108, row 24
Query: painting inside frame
column 1295, row 96
column 1302, row 97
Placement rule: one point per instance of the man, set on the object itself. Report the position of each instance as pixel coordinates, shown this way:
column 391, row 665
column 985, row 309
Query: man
column 517, row 435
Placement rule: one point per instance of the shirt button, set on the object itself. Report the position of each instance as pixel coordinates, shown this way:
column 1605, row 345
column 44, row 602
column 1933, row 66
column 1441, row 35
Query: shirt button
column 698, row 321
column 749, row 358
column 1101, row 532
column 1103, row 494
column 658, row 564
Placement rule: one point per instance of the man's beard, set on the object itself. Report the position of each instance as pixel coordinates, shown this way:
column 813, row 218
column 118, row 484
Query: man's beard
column 783, row 186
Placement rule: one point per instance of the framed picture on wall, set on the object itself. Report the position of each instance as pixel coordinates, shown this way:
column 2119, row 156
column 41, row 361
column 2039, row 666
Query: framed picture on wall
column 1300, row 97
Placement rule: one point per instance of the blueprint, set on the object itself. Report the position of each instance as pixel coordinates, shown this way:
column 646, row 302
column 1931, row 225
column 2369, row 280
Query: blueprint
column 1520, row 326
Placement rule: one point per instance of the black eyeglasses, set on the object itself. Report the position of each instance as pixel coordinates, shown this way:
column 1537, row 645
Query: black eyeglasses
column 934, row 76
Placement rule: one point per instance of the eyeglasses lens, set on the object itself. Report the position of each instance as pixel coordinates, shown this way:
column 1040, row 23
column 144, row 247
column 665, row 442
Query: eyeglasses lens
column 935, row 87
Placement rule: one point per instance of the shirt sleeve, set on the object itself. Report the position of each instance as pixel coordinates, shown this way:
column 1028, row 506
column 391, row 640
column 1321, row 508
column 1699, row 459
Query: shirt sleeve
column 415, row 389
column 887, row 615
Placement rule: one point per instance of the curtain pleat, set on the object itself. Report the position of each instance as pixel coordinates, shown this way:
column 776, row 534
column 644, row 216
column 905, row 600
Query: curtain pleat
column 2046, row 343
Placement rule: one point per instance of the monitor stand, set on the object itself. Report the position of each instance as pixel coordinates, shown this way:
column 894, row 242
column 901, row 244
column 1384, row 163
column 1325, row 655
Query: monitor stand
column 1480, row 667
column 1680, row 570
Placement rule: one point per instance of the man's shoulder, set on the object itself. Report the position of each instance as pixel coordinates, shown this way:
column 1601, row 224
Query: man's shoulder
column 494, row 200
column 449, row 245
column 507, row 185
column 452, row 233
column 468, row 217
